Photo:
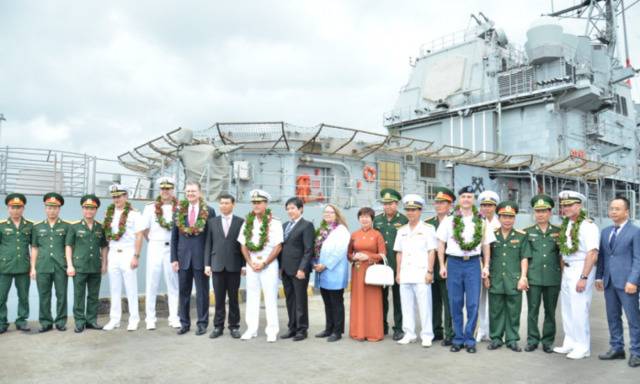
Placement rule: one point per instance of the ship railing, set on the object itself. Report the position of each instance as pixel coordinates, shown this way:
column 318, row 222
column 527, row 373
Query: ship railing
column 34, row 171
column 447, row 41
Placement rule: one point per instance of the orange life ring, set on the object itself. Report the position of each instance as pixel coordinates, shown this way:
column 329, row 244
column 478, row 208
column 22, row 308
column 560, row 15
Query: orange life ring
column 369, row 173
column 303, row 187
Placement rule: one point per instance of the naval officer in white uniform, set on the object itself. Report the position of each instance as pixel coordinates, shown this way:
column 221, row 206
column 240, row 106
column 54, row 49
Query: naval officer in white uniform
column 261, row 238
column 157, row 221
column 122, row 229
column 579, row 255
column 415, row 245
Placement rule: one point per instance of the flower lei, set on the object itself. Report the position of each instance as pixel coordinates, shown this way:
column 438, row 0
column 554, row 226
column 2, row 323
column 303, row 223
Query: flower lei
column 321, row 235
column 122, row 224
column 264, row 231
column 458, row 226
column 575, row 241
column 160, row 215
column 201, row 219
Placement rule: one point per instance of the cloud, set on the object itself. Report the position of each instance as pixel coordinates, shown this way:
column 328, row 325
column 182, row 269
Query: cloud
column 102, row 77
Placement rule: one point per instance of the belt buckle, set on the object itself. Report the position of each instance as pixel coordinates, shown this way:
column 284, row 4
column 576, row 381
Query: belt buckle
column 118, row 250
column 465, row 258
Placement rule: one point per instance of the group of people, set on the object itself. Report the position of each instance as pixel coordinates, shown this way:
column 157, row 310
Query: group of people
column 461, row 258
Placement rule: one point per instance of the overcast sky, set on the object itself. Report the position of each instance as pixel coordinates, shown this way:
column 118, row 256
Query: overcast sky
column 104, row 76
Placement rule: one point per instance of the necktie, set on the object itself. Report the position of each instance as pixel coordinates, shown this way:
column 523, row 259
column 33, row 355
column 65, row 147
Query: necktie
column 192, row 216
column 612, row 240
column 287, row 231
column 226, row 226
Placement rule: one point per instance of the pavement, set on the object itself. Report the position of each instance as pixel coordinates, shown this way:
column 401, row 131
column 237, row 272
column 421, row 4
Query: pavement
column 161, row 356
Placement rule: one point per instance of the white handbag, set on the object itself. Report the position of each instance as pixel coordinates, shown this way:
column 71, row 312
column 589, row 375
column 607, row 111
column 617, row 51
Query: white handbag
column 379, row 274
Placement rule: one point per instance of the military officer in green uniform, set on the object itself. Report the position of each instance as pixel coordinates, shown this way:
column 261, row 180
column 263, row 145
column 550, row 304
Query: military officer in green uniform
column 48, row 263
column 508, row 278
column 545, row 275
column 15, row 237
column 444, row 198
column 388, row 223
column 86, row 252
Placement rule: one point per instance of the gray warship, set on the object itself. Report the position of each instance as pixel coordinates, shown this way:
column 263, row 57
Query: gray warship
column 476, row 110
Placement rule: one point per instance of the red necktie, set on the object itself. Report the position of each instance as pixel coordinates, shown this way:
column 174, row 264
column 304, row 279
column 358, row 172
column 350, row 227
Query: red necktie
column 192, row 216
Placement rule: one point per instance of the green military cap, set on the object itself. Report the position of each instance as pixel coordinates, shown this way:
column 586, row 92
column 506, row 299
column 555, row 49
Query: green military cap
column 389, row 195
column 53, row 199
column 15, row 199
column 90, row 201
column 444, row 194
column 507, row 208
column 542, row 201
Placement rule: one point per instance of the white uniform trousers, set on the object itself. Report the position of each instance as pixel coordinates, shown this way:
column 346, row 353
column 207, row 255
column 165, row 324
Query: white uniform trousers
column 267, row 281
column 575, row 308
column 409, row 295
column 159, row 261
column 120, row 271
column 483, row 315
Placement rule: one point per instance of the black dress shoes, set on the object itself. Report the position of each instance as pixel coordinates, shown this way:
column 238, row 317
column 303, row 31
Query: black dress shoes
column 23, row 328
column 182, row 330
column 201, row 330
column 324, row 333
column 612, row 355
column 547, row 349
column 530, row 348
column 494, row 345
column 514, row 347
column 397, row 335
column 3, row 330
column 94, row 326
column 634, row 361
column 289, row 334
column 61, row 327
column 45, row 328
column 455, row 348
column 471, row 349
column 446, row 342
column 334, row 337
column 78, row 329
column 300, row 336
column 235, row 333
column 217, row 332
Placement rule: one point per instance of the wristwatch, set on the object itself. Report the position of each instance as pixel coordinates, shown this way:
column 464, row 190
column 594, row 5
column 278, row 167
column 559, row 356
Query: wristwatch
column 583, row 277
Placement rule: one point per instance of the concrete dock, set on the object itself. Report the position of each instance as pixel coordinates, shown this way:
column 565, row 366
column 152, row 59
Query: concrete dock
column 161, row 356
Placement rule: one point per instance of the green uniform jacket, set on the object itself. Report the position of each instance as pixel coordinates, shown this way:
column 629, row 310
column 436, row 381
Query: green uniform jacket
column 14, row 246
column 50, row 242
column 436, row 264
column 86, row 244
column 506, row 255
column 544, row 266
column 389, row 229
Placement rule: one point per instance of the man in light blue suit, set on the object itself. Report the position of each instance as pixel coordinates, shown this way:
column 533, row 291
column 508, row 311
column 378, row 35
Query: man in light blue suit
column 618, row 274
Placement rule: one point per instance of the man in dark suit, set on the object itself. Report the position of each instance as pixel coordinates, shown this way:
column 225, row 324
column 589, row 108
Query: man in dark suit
column 618, row 274
column 187, row 256
column 295, row 261
column 224, row 261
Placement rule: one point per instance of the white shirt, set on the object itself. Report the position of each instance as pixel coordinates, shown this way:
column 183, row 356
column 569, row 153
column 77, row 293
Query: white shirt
column 619, row 229
column 156, row 232
column 415, row 245
column 494, row 223
column 275, row 237
column 589, row 238
column 133, row 226
column 445, row 233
